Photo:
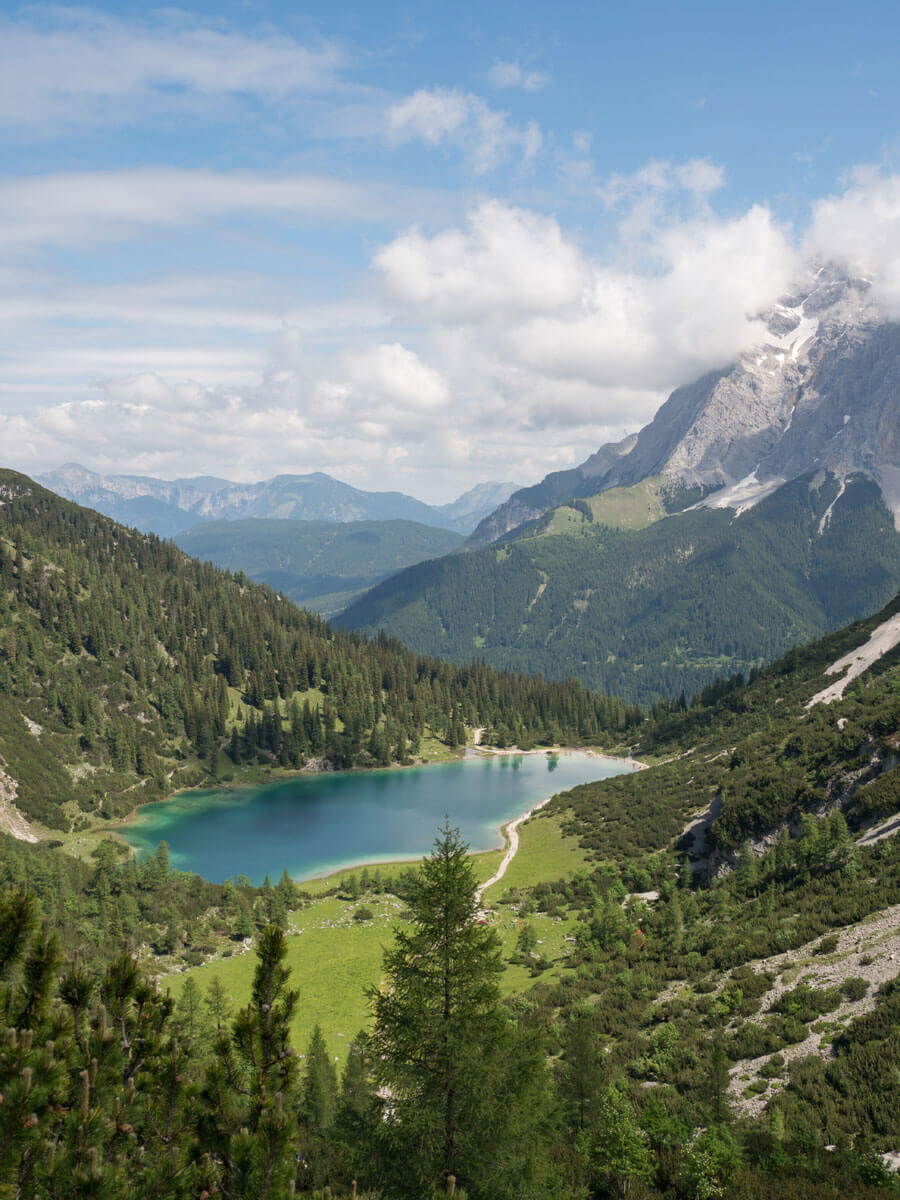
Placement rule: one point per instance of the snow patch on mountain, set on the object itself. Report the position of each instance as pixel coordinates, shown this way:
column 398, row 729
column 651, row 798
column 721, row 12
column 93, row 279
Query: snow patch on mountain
column 743, row 495
column 882, row 639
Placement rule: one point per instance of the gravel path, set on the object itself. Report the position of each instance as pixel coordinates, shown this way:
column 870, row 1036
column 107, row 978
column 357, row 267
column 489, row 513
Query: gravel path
column 511, row 833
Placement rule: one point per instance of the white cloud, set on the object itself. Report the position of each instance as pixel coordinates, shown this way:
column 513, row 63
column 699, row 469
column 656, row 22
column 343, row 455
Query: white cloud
column 861, row 230
column 439, row 115
column 61, row 66
column 506, row 260
column 385, row 392
column 500, row 347
column 514, row 75
column 96, row 206
column 531, row 298
column 429, row 115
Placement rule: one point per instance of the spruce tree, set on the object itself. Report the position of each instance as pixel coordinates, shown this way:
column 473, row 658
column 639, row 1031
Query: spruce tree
column 467, row 1090
column 318, row 1102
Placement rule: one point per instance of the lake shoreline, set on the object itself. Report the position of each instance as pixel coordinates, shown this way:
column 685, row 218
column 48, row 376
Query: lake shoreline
column 307, row 772
column 300, row 873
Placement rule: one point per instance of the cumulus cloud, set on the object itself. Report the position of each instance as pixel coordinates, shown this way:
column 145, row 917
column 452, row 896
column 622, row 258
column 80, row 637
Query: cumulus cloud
column 860, row 229
column 440, row 115
column 60, row 66
column 531, row 298
column 385, row 392
column 514, row 75
column 506, row 260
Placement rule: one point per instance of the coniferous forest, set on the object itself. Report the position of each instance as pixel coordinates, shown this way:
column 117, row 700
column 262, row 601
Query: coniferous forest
column 614, row 1082
column 652, row 611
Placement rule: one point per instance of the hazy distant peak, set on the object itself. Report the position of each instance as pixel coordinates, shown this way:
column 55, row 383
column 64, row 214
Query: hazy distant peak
column 171, row 506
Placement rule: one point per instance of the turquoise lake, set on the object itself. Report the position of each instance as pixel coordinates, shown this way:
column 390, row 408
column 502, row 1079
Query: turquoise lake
column 313, row 824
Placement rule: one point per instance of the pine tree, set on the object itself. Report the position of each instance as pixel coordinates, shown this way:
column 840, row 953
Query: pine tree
column 251, row 1088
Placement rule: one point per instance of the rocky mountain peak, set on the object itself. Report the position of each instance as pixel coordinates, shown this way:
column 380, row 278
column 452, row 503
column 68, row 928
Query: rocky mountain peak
column 820, row 390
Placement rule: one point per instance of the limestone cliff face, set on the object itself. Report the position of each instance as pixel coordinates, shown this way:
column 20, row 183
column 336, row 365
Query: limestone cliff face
column 820, row 391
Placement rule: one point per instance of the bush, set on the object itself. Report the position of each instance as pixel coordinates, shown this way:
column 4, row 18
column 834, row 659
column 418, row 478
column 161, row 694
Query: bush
column 805, row 1003
column 752, row 1041
column 828, row 945
column 854, row 988
column 363, row 913
column 774, row 1067
column 793, row 1030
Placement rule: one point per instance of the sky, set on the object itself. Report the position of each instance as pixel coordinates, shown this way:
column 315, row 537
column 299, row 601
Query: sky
column 416, row 245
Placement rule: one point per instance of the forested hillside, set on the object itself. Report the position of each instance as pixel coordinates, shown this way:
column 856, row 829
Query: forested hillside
column 128, row 670
column 645, row 605
column 321, row 565
column 755, row 759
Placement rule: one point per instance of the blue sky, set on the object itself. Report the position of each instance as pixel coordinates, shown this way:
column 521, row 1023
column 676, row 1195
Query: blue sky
column 415, row 245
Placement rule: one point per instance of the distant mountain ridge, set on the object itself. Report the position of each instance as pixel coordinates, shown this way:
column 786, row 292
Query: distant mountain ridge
column 170, row 506
column 820, row 392
column 644, row 604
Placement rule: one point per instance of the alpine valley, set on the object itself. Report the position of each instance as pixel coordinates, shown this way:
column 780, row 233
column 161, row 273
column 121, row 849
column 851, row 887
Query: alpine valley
column 449, row 601
column 684, row 986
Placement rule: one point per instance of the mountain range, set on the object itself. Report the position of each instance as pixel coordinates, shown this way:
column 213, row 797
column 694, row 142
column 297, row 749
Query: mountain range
column 820, row 391
column 167, row 507
column 759, row 507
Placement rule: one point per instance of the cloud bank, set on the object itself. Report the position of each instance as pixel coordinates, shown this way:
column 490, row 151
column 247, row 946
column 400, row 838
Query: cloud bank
column 497, row 345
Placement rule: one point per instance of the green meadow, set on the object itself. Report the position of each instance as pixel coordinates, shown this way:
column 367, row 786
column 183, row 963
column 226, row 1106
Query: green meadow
column 334, row 959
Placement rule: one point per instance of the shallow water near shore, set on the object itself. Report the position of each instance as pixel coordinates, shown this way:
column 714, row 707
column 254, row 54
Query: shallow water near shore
column 313, row 824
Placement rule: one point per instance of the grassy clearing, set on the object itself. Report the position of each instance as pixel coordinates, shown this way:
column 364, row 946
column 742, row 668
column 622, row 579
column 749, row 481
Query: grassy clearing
column 630, row 508
column 334, row 959
column 484, row 865
column 544, row 853
column 551, row 934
